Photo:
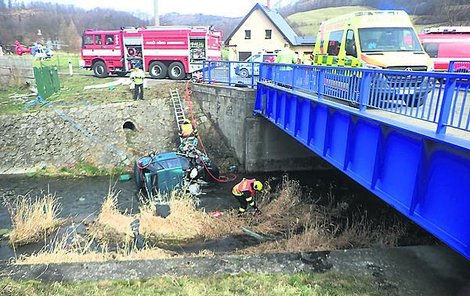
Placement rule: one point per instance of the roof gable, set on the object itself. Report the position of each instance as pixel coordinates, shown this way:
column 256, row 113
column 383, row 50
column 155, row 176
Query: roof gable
column 281, row 25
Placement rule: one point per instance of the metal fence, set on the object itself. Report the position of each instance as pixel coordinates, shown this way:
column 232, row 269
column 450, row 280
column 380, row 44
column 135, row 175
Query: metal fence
column 233, row 73
column 459, row 66
column 441, row 98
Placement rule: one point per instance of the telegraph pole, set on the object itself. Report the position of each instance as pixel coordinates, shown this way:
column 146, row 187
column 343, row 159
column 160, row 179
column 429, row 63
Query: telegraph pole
column 156, row 13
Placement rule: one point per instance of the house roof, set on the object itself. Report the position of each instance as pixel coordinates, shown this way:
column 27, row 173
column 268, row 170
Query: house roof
column 280, row 23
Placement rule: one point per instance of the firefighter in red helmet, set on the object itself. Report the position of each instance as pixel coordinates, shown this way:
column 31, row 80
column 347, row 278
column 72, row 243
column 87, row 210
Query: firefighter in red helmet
column 244, row 192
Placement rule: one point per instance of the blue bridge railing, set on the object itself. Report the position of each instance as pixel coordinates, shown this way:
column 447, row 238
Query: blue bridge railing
column 440, row 98
column 462, row 66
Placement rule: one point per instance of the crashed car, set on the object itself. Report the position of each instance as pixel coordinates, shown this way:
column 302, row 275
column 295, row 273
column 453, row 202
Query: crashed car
column 163, row 172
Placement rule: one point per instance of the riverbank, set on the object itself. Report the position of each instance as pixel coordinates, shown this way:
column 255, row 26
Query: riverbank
column 419, row 270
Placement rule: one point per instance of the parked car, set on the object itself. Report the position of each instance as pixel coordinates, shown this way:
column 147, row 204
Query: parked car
column 445, row 44
column 250, row 66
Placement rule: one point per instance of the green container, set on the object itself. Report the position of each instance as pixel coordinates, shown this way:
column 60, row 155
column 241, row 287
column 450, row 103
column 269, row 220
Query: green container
column 47, row 78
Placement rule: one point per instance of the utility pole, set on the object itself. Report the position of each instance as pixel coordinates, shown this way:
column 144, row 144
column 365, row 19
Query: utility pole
column 156, row 13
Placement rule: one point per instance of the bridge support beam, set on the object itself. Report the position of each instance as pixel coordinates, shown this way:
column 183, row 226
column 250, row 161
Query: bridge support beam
column 425, row 178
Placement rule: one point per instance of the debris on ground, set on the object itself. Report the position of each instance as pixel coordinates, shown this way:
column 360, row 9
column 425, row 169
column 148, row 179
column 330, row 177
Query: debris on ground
column 117, row 82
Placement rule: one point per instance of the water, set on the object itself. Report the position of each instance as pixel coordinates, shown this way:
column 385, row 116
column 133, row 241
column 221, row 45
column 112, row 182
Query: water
column 81, row 200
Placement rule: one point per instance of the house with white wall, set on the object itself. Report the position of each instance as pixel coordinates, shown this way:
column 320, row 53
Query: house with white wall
column 265, row 30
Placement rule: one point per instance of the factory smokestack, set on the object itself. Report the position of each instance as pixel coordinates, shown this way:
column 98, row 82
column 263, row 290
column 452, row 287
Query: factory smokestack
column 156, row 13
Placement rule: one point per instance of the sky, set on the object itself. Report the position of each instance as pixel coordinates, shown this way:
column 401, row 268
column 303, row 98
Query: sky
column 231, row 8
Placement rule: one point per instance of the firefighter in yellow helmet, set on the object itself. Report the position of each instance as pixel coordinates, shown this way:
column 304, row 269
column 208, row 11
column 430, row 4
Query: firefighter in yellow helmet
column 188, row 133
column 244, row 192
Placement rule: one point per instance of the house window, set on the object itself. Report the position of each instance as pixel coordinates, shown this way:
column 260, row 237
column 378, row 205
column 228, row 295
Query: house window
column 267, row 34
column 247, row 34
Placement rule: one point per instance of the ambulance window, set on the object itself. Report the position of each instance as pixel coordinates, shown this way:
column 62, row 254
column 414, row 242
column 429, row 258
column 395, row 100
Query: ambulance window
column 98, row 40
column 334, row 43
column 432, row 49
column 87, row 40
column 109, row 39
column 350, row 44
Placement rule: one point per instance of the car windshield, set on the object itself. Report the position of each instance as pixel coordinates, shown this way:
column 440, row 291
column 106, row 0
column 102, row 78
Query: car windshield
column 252, row 58
column 388, row 39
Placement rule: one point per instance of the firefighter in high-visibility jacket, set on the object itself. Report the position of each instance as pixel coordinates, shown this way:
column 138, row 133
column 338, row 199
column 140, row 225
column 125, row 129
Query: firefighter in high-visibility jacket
column 188, row 134
column 137, row 77
column 245, row 194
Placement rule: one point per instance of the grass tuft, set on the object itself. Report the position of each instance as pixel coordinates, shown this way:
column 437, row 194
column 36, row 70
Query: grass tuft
column 33, row 219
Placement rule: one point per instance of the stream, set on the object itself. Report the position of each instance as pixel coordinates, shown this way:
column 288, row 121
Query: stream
column 81, row 200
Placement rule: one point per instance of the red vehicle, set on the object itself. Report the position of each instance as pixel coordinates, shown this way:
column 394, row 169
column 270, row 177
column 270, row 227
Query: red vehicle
column 175, row 52
column 445, row 44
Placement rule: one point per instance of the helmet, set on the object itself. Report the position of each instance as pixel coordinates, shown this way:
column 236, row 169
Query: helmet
column 186, row 121
column 258, row 186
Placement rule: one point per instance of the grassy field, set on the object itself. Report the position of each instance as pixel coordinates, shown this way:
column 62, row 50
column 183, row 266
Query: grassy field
column 308, row 23
column 246, row 284
column 72, row 91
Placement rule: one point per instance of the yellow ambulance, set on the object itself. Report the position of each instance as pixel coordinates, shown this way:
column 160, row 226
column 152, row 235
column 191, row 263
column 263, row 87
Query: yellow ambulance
column 376, row 39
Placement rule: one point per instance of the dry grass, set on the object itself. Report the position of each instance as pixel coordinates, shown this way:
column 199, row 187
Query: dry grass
column 33, row 219
column 316, row 227
column 184, row 222
column 111, row 225
column 63, row 252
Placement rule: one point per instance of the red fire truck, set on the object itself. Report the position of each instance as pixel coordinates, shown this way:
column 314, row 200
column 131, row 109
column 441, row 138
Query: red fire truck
column 173, row 52
column 445, row 44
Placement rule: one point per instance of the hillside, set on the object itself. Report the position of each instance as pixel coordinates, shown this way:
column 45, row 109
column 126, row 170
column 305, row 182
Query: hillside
column 220, row 23
column 307, row 23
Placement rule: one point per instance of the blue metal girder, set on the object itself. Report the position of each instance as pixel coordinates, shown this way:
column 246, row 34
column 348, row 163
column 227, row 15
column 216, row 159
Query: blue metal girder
column 423, row 176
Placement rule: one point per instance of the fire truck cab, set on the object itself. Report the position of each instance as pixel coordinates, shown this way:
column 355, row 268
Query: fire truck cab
column 444, row 44
column 173, row 52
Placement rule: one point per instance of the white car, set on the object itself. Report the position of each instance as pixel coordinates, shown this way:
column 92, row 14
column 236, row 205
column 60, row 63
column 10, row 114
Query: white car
column 250, row 66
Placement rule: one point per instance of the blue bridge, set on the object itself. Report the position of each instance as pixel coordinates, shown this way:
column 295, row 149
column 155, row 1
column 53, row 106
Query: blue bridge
column 404, row 135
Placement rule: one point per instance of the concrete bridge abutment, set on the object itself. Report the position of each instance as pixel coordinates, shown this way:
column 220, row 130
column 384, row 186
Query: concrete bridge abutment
column 258, row 144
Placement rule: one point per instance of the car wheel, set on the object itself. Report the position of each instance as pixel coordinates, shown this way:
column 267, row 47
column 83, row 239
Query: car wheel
column 100, row 70
column 158, row 70
column 176, row 71
column 244, row 73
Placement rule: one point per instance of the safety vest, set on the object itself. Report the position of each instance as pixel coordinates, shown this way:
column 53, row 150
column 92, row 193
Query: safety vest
column 329, row 60
column 245, row 185
column 286, row 56
column 187, row 130
column 137, row 76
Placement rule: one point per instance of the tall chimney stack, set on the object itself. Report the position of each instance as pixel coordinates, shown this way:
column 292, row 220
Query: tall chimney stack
column 268, row 4
column 156, row 14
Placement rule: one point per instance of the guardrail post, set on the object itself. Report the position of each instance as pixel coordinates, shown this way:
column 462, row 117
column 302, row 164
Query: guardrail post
column 210, row 73
column 204, row 67
column 321, row 83
column 253, row 74
column 451, row 66
column 293, row 75
column 446, row 106
column 364, row 92
column 229, row 73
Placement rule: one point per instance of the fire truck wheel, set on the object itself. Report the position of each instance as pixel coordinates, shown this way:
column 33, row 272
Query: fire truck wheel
column 176, row 71
column 99, row 69
column 158, row 70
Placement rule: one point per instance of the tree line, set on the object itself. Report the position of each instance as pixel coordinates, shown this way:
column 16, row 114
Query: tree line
column 56, row 22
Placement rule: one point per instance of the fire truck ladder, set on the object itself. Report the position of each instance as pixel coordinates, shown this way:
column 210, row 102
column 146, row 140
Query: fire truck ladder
column 177, row 106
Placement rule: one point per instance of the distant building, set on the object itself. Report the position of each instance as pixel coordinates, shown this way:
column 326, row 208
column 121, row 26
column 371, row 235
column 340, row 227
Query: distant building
column 265, row 30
